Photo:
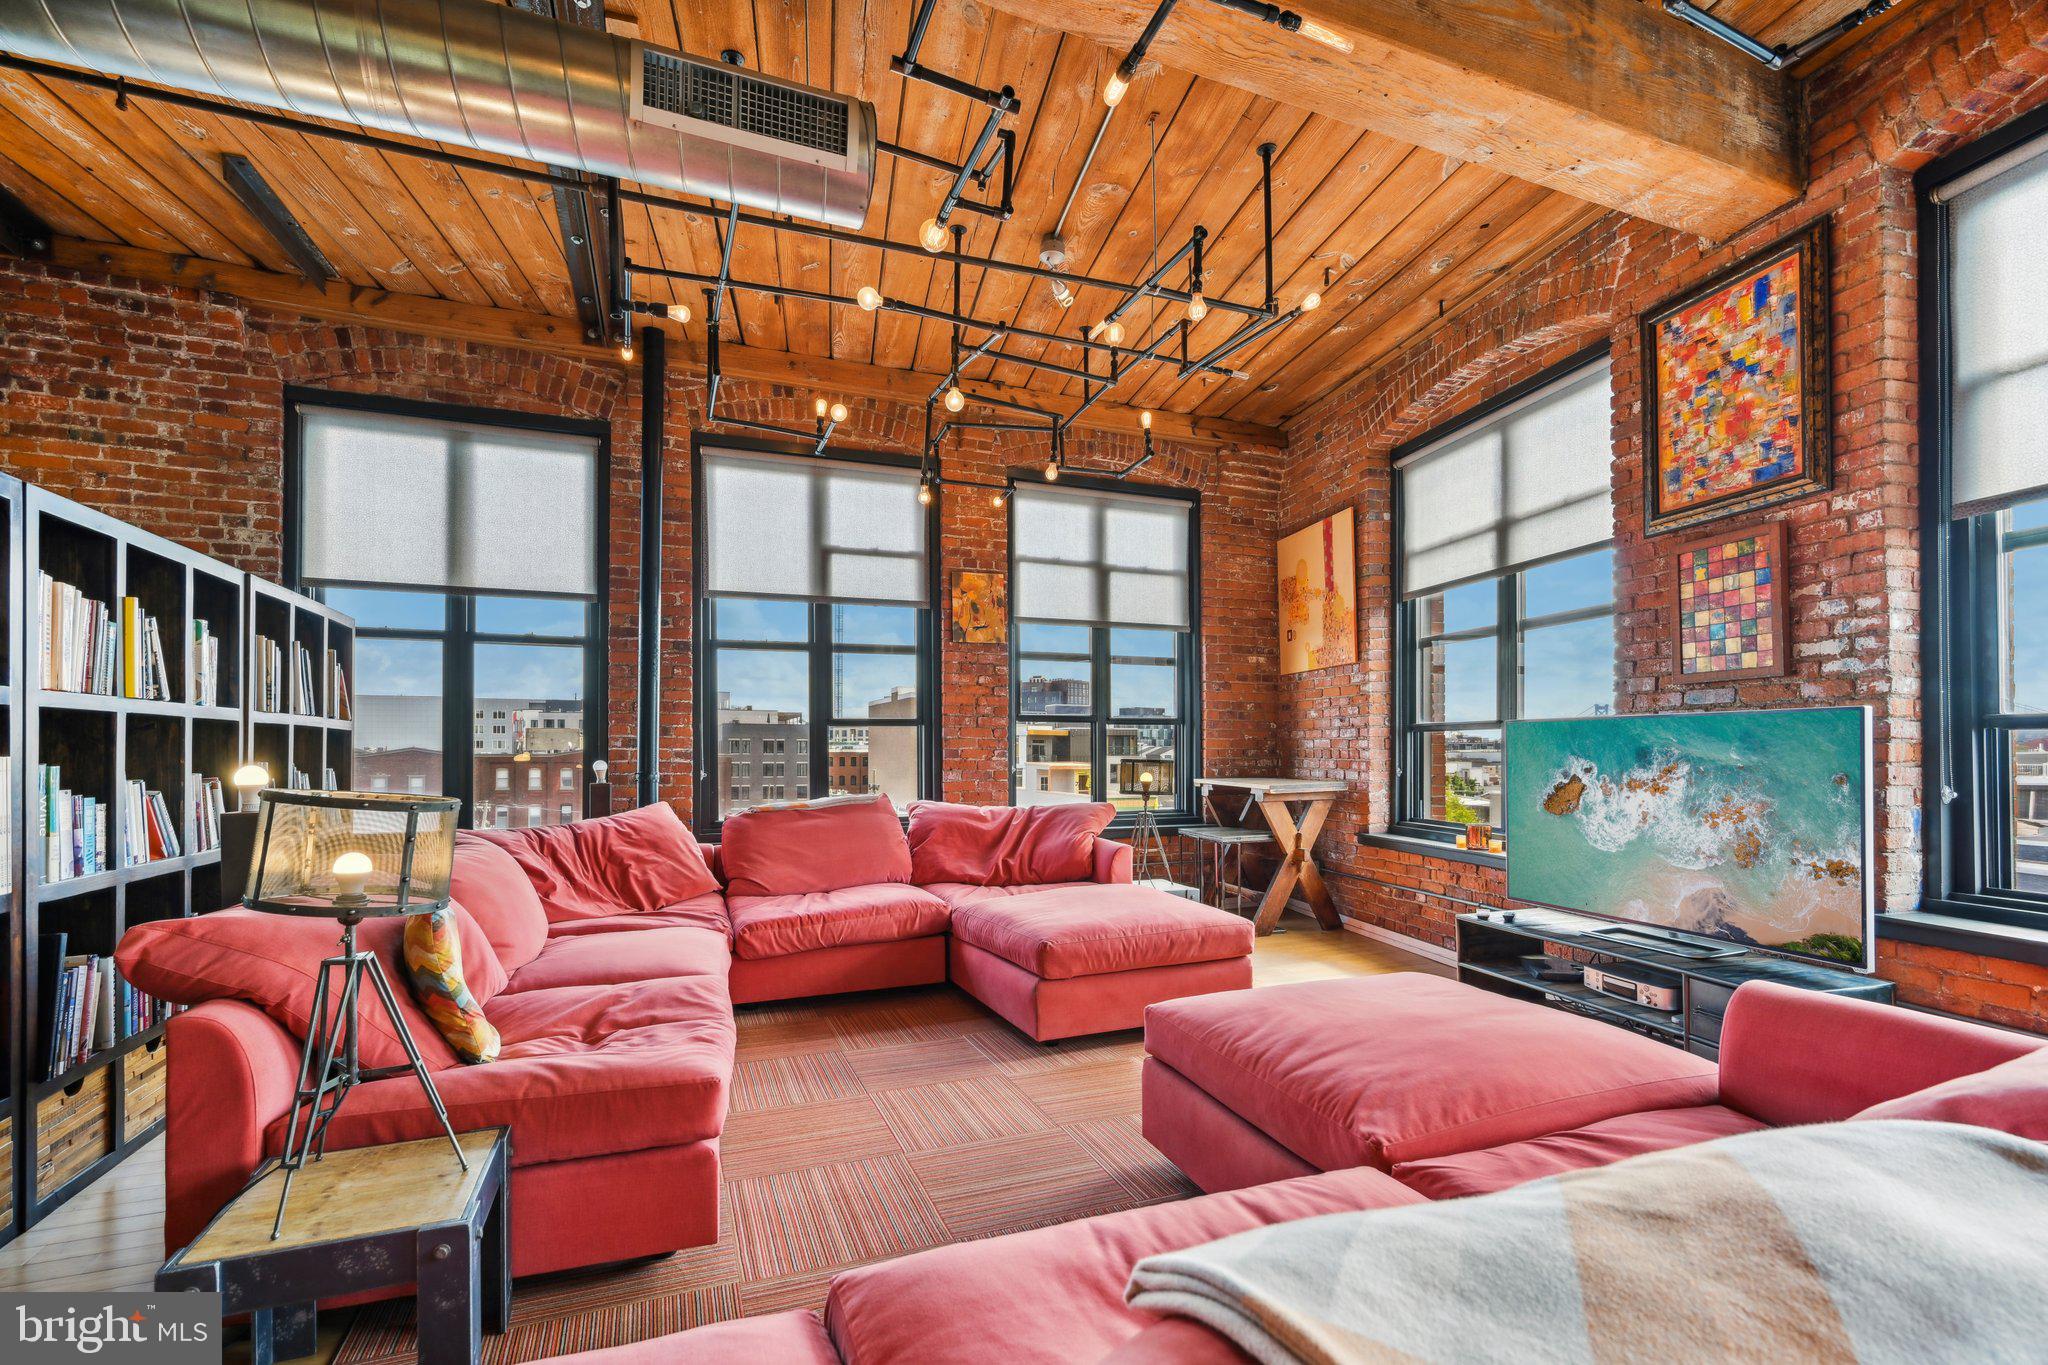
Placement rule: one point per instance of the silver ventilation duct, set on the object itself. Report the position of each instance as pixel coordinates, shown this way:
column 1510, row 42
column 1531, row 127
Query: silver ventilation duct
column 489, row 77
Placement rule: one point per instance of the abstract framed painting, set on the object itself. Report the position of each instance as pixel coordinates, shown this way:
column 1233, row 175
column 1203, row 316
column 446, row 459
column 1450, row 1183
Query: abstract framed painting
column 1737, row 414
column 1728, row 605
column 1318, row 568
column 981, row 607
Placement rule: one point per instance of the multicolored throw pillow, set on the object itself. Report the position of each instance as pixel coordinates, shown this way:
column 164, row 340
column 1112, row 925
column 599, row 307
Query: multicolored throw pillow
column 433, row 964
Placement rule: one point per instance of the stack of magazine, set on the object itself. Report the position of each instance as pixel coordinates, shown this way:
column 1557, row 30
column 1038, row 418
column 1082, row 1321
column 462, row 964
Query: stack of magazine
column 269, row 679
column 205, row 665
column 145, row 674
column 209, row 803
column 86, row 1005
column 74, row 828
column 79, row 653
column 147, row 830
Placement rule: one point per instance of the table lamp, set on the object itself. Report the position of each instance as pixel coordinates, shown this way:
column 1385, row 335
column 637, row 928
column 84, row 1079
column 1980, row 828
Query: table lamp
column 348, row 856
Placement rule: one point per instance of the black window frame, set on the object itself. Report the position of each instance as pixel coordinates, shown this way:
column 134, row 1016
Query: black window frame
column 708, row 797
column 1966, row 799
column 459, row 634
column 1185, row 807
column 1509, row 627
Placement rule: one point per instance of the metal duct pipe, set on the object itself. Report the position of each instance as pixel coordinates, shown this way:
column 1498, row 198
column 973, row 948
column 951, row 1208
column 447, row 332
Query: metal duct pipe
column 490, row 77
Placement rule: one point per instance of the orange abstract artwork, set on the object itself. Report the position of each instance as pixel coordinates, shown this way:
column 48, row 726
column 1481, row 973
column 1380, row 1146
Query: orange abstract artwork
column 1318, row 572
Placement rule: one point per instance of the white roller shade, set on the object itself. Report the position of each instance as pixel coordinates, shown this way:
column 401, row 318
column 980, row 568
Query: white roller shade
column 404, row 502
column 1998, row 238
column 1526, row 484
column 1107, row 559
column 823, row 530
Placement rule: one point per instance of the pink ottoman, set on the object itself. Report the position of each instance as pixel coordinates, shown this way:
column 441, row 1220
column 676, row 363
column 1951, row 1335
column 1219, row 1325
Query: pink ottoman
column 1089, row 959
column 1375, row 1071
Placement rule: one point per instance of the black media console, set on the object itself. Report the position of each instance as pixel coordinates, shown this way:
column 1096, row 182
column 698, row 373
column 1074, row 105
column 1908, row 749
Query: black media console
column 1494, row 947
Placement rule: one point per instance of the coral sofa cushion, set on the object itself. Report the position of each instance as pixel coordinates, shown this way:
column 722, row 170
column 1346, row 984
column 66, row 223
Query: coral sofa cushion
column 1004, row 845
column 959, row 894
column 649, row 954
column 813, row 846
column 776, row 926
column 615, row 865
column 956, row 1302
column 497, row 894
column 1090, row 930
column 1402, row 1067
column 273, row 963
column 699, row 912
column 583, row 1072
column 1597, row 1144
column 794, row 1337
column 2011, row 1097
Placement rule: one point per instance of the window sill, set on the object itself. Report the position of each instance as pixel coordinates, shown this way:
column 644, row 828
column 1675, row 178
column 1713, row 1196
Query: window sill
column 1433, row 848
column 1944, row 925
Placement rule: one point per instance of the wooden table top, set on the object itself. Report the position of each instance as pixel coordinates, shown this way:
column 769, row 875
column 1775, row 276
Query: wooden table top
column 1263, row 787
column 351, row 1194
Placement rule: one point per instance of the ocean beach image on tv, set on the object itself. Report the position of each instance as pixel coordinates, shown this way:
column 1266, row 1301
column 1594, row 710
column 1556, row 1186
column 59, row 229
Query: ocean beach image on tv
column 1749, row 827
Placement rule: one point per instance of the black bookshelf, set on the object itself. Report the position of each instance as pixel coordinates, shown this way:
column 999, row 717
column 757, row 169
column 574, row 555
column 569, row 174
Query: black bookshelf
column 1493, row 944
column 316, row 740
column 68, row 1128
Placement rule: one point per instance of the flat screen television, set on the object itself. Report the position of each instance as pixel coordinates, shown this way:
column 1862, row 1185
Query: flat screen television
column 1746, row 828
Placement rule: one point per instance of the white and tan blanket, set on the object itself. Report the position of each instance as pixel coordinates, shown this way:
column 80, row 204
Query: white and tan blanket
column 1874, row 1242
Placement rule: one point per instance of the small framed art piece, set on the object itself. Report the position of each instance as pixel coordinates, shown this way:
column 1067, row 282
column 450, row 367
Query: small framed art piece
column 981, row 607
column 1728, row 604
column 1736, row 416
column 1318, row 575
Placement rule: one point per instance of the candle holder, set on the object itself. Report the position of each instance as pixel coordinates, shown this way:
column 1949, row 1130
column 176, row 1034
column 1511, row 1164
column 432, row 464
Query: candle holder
column 348, row 856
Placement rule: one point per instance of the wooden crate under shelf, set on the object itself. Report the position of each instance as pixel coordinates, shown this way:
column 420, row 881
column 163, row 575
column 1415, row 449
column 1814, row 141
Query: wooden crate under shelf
column 74, row 1128
column 143, row 1073
column 7, row 1166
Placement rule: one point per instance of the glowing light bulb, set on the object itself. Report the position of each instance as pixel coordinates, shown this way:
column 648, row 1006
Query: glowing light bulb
column 625, row 350
column 1113, row 89
column 1145, row 419
column 1311, row 302
column 1328, row 37
column 1114, row 334
column 679, row 313
column 1198, row 307
column 995, row 500
column 1052, row 472
column 924, row 493
column 931, row 235
column 955, row 400
column 351, row 871
column 869, row 298
column 818, row 407
column 838, row 412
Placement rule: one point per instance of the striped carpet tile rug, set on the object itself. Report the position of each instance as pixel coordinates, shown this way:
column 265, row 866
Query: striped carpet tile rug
column 861, row 1128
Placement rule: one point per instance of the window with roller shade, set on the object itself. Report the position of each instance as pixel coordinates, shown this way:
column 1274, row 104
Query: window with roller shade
column 1505, row 566
column 1103, row 646
column 815, row 626
column 1985, row 407
column 465, row 543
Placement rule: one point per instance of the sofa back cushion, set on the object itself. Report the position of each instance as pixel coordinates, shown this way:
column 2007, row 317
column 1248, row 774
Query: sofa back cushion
column 2011, row 1097
column 498, row 895
column 273, row 963
column 1005, row 845
column 814, row 846
column 641, row 860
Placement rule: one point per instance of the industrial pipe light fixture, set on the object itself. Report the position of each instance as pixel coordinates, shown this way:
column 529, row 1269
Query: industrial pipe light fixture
column 955, row 400
column 838, row 413
column 931, row 235
column 1118, row 84
column 679, row 313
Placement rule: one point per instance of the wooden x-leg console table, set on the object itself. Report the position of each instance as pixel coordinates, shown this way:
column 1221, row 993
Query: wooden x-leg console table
column 1275, row 798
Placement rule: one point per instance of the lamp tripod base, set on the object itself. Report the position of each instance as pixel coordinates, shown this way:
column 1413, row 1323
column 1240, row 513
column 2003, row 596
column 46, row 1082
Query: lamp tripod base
column 330, row 1065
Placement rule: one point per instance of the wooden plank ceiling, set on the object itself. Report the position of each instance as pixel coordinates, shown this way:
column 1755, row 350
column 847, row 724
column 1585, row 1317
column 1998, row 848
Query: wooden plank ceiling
column 1397, row 239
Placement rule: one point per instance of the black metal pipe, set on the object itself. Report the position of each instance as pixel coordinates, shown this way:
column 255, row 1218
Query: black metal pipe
column 790, row 291
column 939, row 163
column 653, row 429
column 1149, row 353
column 1152, row 282
column 959, row 185
column 1266, row 150
column 920, row 22
column 1128, row 67
column 1258, row 9
column 1245, row 335
column 1004, row 100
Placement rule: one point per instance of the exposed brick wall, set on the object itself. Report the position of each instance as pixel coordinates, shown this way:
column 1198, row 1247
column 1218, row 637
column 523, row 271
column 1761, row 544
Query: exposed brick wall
column 1938, row 75
column 165, row 406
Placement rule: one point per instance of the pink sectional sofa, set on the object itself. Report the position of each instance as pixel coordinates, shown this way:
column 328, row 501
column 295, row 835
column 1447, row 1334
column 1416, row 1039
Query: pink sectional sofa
column 1787, row 1057
column 610, row 955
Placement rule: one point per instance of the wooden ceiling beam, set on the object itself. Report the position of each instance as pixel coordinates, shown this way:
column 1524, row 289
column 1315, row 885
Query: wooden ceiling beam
column 427, row 316
column 1608, row 100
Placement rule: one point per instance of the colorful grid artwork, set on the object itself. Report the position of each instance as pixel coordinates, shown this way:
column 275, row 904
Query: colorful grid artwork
column 1727, row 605
column 1738, row 414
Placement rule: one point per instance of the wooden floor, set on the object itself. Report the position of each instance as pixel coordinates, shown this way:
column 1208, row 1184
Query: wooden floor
column 109, row 1236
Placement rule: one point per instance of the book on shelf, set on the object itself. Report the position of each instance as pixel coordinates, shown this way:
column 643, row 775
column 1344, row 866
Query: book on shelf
column 337, row 688
column 79, row 651
column 305, row 699
column 209, row 803
column 148, row 832
column 332, row 782
column 269, row 679
column 6, row 823
column 205, row 665
column 86, row 1005
column 145, row 672
column 73, row 827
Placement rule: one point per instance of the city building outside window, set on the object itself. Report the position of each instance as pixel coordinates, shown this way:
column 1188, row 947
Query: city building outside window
column 481, row 633
column 1504, row 562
